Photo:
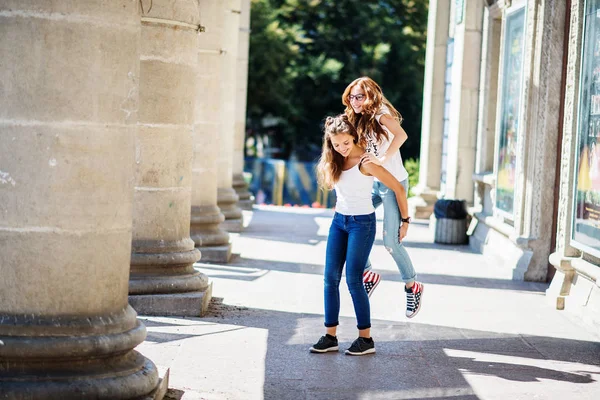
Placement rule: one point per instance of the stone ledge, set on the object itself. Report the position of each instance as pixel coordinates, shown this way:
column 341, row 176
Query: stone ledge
column 216, row 254
column 487, row 178
column 495, row 223
column 575, row 288
column 491, row 238
column 191, row 304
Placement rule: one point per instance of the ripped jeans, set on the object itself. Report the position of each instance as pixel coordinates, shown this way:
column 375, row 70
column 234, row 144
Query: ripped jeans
column 381, row 194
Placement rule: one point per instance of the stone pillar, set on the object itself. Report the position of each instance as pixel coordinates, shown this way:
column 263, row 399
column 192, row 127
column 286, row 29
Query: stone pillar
column 486, row 121
column 465, row 97
column 239, row 139
column 522, row 241
column 163, row 280
column 575, row 286
column 226, row 196
column 538, row 135
column 68, row 101
column 206, row 232
column 433, row 110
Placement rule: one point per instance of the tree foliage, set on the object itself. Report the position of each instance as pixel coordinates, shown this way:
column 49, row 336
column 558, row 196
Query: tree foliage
column 303, row 53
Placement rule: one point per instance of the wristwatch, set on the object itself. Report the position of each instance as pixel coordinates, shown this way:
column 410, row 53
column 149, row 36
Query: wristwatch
column 407, row 220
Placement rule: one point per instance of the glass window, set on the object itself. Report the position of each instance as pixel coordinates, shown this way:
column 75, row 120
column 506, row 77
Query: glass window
column 509, row 114
column 586, row 210
column 447, row 103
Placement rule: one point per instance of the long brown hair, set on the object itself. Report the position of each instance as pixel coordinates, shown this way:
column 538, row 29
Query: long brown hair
column 329, row 168
column 374, row 101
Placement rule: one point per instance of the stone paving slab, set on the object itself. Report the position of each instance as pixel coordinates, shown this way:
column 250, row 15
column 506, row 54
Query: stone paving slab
column 480, row 335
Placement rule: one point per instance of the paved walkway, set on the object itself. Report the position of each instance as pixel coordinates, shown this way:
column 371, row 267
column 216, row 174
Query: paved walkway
column 479, row 335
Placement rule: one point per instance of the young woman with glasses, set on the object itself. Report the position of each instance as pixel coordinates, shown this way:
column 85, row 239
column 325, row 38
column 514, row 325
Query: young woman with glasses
column 344, row 167
column 377, row 123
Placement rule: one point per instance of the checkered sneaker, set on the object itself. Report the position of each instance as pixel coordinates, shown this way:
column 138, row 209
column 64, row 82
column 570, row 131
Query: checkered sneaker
column 371, row 280
column 413, row 299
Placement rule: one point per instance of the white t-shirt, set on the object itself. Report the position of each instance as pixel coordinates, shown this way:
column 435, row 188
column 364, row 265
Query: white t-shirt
column 353, row 193
column 394, row 163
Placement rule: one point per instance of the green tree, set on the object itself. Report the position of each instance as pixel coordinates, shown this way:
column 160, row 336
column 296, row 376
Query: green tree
column 303, row 53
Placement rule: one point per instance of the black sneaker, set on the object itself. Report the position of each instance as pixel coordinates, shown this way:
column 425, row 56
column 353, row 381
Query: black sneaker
column 413, row 299
column 325, row 344
column 371, row 280
column 360, row 347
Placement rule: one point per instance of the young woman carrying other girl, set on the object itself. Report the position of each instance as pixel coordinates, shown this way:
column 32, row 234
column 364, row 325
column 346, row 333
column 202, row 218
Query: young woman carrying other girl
column 377, row 123
column 344, row 167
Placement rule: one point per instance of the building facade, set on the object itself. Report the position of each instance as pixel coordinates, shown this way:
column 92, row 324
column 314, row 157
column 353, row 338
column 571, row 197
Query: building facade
column 511, row 124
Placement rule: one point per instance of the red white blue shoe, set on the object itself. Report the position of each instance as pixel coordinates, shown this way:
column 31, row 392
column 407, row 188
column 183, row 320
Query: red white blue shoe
column 371, row 280
column 413, row 299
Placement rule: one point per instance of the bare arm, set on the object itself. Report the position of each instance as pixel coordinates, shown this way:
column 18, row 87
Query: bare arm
column 388, row 180
column 400, row 135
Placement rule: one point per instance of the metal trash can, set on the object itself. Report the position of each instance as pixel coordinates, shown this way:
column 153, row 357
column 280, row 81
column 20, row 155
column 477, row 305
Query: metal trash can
column 449, row 222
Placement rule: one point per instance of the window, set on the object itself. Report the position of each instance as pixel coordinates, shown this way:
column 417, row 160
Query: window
column 586, row 208
column 510, row 109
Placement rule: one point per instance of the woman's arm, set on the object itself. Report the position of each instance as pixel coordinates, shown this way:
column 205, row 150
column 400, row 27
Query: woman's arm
column 400, row 135
column 368, row 167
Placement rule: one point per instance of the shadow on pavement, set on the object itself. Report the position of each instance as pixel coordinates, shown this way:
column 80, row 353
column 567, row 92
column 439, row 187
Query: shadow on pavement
column 247, row 269
column 413, row 361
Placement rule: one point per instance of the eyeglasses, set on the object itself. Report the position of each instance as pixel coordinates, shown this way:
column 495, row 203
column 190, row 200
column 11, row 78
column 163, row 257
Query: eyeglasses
column 359, row 97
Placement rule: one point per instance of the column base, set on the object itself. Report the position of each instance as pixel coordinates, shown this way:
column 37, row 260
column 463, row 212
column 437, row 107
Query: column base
column 227, row 201
column 47, row 358
column 205, row 228
column 246, row 199
column 84, row 386
column 216, row 254
column 246, row 204
column 164, row 272
column 192, row 304
column 233, row 225
column 163, row 385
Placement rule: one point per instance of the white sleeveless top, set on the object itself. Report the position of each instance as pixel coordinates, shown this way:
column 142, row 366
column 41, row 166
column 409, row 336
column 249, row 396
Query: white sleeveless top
column 353, row 193
column 393, row 164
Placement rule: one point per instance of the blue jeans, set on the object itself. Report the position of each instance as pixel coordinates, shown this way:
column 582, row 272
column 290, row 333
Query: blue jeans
column 350, row 240
column 381, row 194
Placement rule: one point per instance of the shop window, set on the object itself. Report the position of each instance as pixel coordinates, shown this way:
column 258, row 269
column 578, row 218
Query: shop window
column 506, row 160
column 447, row 104
column 586, row 209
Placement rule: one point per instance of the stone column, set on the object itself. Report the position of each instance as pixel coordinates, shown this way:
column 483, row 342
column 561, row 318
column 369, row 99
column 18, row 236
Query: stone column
column 465, row 96
column 163, row 280
column 538, row 137
column 68, row 101
column 563, row 292
column 227, row 197
column 433, row 110
column 239, row 139
column 486, row 120
column 206, row 232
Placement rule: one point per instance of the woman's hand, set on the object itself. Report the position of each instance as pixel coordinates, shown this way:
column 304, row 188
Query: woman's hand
column 403, row 231
column 368, row 158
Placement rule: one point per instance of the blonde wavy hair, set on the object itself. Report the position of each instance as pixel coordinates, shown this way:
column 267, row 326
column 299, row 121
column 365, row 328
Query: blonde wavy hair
column 374, row 101
column 329, row 168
